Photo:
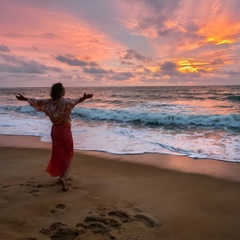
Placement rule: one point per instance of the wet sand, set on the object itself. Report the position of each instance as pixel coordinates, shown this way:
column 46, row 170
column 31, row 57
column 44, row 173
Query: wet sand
column 149, row 196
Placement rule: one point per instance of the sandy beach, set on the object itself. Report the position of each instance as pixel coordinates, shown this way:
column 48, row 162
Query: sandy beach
column 130, row 197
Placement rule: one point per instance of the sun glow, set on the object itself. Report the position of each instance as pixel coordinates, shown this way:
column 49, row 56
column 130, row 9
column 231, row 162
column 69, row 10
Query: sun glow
column 186, row 66
column 193, row 66
column 219, row 41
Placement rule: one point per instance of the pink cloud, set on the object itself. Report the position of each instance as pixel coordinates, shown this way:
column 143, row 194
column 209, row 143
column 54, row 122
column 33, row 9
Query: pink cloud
column 128, row 41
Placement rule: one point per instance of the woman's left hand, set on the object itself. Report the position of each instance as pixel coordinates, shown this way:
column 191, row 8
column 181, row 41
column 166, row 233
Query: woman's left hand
column 86, row 96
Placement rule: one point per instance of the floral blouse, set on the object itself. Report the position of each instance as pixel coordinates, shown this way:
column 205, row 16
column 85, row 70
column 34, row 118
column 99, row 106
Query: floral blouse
column 58, row 111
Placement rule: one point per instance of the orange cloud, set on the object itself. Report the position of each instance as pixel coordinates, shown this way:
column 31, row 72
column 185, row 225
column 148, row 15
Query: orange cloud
column 221, row 27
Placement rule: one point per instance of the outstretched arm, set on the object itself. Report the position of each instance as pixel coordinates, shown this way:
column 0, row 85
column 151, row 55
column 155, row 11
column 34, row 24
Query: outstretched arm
column 21, row 97
column 85, row 96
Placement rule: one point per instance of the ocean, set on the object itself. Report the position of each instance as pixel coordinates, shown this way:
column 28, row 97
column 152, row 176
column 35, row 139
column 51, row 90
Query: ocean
column 196, row 121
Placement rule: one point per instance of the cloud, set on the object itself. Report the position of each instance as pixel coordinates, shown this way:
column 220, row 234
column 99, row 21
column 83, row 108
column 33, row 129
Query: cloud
column 47, row 35
column 121, row 76
column 89, row 67
column 96, row 70
column 15, row 64
column 233, row 73
column 131, row 57
column 73, row 61
column 218, row 61
column 160, row 41
column 130, row 54
column 169, row 68
column 4, row 48
column 151, row 17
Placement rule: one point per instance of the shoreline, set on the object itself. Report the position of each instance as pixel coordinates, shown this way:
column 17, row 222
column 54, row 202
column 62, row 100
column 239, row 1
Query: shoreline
column 210, row 167
column 111, row 198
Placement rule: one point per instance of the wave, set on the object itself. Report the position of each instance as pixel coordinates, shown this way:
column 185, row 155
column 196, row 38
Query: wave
column 233, row 98
column 20, row 109
column 133, row 116
column 158, row 119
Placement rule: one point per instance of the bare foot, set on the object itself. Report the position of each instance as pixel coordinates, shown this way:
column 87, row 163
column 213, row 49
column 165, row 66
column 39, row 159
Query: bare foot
column 64, row 184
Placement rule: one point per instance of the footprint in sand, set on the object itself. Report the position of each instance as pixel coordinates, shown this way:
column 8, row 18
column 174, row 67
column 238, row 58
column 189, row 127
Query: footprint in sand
column 102, row 223
column 34, row 192
column 29, row 238
column 148, row 221
column 4, row 189
column 58, row 208
column 60, row 231
column 32, row 184
column 35, row 184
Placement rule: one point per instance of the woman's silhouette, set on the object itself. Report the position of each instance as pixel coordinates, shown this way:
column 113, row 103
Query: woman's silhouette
column 58, row 109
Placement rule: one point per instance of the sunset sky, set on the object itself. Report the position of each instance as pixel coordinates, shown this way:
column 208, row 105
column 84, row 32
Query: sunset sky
column 119, row 42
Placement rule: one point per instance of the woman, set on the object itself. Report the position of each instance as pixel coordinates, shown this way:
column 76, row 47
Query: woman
column 58, row 109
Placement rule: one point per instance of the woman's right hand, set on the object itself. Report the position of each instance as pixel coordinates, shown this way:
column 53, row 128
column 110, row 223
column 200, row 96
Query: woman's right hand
column 20, row 97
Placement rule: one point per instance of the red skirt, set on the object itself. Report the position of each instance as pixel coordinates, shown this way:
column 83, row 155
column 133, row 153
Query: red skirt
column 62, row 149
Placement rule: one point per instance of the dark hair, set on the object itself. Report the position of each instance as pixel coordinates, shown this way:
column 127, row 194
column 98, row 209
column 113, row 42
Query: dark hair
column 57, row 91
